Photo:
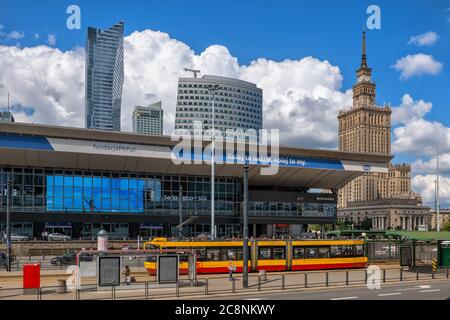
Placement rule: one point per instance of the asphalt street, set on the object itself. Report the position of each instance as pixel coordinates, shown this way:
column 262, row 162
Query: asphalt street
column 422, row 290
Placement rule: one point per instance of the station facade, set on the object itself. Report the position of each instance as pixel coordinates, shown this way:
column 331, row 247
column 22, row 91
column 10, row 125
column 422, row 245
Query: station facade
column 78, row 181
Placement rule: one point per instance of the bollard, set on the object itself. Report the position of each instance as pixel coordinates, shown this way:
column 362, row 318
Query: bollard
column 233, row 285
column 365, row 276
column 39, row 294
column 447, row 273
column 206, row 286
column 417, row 273
column 259, row 283
column 282, row 282
column 384, row 275
column 177, row 289
column 306, row 280
column 326, row 279
column 346, row 277
column 432, row 274
column 146, row 290
column 401, row 274
column 77, row 294
column 113, row 292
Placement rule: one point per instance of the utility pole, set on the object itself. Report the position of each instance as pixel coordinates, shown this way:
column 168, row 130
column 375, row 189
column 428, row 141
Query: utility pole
column 213, row 89
column 180, row 211
column 245, row 230
column 8, row 223
column 438, row 223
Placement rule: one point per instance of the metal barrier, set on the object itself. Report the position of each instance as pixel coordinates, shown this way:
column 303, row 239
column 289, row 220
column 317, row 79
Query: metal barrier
column 221, row 285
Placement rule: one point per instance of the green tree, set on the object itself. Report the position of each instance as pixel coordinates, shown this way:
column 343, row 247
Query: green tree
column 446, row 226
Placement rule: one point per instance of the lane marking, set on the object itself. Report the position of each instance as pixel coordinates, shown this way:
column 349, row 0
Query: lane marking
column 415, row 288
column 389, row 294
column 432, row 290
column 344, row 298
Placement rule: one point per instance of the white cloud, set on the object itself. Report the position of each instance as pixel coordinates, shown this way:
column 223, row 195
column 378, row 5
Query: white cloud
column 409, row 110
column 47, row 80
column 425, row 39
column 425, row 185
column 300, row 96
column 421, row 137
column 51, row 39
column 15, row 35
column 36, row 35
column 418, row 64
column 430, row 165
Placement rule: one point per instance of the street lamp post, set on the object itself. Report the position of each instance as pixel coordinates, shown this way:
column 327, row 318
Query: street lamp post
column 8, row 223
column 213, row 89
column 245, row 231
column 180, row 211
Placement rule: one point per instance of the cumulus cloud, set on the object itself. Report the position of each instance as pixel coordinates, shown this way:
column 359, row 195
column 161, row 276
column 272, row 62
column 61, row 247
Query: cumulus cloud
column 430, row 165
column 51, row 40
column 301, row 97
column 15, row 35
column 410, row 110
column 45, row 79
column 425, row 39
column 417, row 64
column 421, row 137
column 425, row 185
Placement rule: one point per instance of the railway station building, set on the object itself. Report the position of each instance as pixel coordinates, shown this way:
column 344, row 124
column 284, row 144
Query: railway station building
column 77, row 181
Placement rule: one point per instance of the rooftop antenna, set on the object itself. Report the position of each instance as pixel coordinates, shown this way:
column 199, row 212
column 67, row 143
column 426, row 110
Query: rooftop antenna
column 8, row 101
column 193, row 71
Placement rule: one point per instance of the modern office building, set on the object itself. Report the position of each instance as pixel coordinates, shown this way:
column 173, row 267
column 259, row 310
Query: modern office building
column 148, row 120
column 237, row 104
column 78, row 181
column 104, row 77
column 6, row 116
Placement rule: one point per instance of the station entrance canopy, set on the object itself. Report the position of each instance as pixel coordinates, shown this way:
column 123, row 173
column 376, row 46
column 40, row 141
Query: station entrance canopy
column 86, row 149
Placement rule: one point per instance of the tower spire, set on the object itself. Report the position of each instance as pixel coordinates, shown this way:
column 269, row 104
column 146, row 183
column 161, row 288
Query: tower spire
column 364, row 57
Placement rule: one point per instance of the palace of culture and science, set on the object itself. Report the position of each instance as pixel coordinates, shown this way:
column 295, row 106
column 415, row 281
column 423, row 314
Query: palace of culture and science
column 384, row 198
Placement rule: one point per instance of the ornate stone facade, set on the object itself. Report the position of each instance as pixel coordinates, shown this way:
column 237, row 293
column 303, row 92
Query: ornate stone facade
column 366, row 128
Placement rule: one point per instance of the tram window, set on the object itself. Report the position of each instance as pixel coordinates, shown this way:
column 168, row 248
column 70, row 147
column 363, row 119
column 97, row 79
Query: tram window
column 228, row 254
column 359, row 251
column 150, row 259
column 335, row 251
column 240, row 254
column 213, row 254
column 324, row 252
column 347, row 251
column 265, row 253
column 299, row 253
column 201, row 255
column 278, row 253
column 311, row 253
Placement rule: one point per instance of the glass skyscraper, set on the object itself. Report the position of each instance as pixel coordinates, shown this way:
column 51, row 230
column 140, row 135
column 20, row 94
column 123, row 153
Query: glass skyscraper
column 104, row 77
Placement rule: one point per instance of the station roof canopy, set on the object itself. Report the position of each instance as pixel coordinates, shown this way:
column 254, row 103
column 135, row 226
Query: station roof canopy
column 33, row 145
column 421, row 235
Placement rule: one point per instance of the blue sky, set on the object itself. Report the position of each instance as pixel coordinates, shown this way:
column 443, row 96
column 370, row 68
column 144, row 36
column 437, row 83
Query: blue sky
column 271, row 29
column 274, row 30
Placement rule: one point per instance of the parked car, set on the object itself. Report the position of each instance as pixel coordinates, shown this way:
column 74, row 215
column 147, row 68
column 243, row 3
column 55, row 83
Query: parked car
column 16, row 237
column 69, row 258
column 58, row 237
column 385, row 251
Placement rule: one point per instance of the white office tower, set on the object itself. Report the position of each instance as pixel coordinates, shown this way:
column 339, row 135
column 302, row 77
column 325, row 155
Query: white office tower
column 148, row 120
column 237, row 104
column 104, row 77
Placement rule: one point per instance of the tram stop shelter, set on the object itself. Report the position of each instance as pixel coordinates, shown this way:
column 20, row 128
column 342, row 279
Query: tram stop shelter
column 423, row 246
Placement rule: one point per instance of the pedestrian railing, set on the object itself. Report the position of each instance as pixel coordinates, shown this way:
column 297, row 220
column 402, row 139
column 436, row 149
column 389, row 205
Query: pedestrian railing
column 214, row 285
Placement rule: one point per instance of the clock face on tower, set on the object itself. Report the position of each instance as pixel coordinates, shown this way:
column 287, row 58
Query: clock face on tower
column 364, row 78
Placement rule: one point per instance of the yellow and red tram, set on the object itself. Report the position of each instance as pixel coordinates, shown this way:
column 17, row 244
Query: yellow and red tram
column 269, row 255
